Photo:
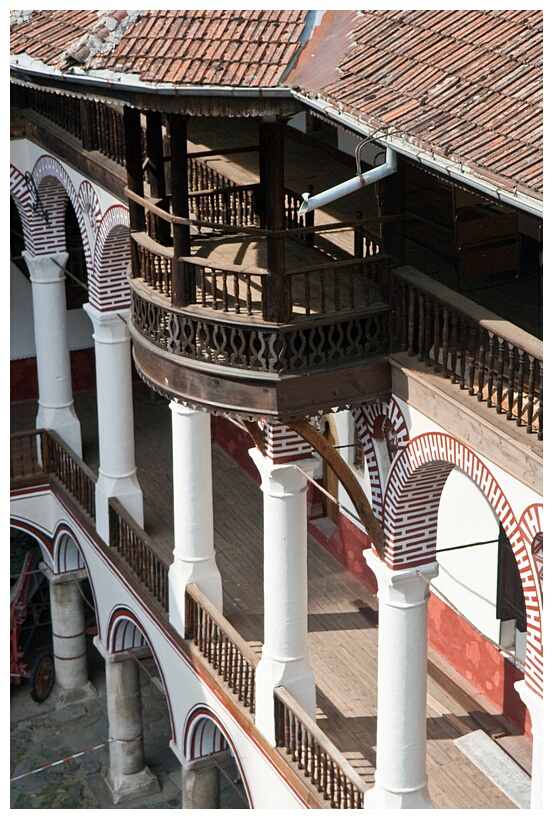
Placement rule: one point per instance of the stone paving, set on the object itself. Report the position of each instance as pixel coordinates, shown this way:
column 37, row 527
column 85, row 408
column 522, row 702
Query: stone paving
column 44, row 733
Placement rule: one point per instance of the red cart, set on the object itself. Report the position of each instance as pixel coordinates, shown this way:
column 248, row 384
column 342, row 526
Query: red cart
column 29, row 609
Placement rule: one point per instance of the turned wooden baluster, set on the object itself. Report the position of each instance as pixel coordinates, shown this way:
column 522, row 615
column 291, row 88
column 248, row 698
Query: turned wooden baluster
column 490, row 368
column 411, row 323
column 454, row 346
column 422, row 325
column 531, row 396
column 472, row 359
column 499, row 376
column 436, row 336
column 427, row 330
column 481, row 368
column 520, row 385
column 445, row 342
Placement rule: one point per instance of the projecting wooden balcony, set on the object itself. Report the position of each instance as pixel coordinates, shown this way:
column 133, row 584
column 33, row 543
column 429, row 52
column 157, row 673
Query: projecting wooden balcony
column 225, row 348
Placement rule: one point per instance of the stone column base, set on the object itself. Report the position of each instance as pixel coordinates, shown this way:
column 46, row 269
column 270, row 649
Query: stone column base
column 67, row 697
column 129, row 786
column 381, row 798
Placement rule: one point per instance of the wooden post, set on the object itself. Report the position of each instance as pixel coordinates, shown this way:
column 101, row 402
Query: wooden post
column 133, row 152
column 277, row 291
column 156, row 175
column 88, row 126
column 182, row 284
column 391, row 203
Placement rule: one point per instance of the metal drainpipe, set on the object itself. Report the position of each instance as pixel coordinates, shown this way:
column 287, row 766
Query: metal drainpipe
column 344, row 188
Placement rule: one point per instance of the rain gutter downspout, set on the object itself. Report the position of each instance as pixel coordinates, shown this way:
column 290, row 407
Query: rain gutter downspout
column 356, row 183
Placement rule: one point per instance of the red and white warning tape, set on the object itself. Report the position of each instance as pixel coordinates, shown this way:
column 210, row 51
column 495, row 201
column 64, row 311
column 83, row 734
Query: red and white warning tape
column 60, row 761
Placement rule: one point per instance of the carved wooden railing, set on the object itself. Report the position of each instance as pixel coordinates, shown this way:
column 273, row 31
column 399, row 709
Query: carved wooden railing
column 227, row 205
column 335, row 286
column 65, row 112
column 492, row 359
column 316, row 755
column 308, row 344
column 37, row 452
column 138, row 551
column 226, row 651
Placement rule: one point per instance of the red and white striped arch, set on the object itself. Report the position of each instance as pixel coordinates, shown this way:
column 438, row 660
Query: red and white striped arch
column 411, row 504
column 368, row 420
column 106, row 245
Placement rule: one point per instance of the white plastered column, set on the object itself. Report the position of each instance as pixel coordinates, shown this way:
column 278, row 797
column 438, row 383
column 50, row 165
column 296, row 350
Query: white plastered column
column 56, row 410
column 285, row 655
column 534, row 703
column 117, row 472
column 194, row 551
column 127, row 776
column 401, row 778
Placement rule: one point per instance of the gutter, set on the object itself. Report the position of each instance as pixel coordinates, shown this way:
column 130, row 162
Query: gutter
column 356, row 183
column 121, row 82
column 456, row 171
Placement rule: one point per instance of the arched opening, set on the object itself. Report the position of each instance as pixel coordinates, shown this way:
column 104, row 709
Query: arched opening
column 17, row 239
column 76, row 279
column 443, row 502
column 206, row 744
column 30, row 619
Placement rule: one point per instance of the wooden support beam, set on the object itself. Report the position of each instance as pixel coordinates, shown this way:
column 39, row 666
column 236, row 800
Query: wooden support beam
column 346, row 477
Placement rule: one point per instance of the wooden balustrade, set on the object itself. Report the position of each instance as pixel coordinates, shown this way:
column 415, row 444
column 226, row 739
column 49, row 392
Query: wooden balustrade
column 295, row 220
column 65, row 112
column 490, row 358
column 230, row 655
column 229, row 288
column 232, row 205
column 316, row 755
column 138, row 551
column 43, row 452
column 337, row 286
column 26, row 457
column 109, row 131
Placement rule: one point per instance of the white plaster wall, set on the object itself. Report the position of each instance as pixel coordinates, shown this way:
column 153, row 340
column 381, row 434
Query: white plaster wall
column 468, row 577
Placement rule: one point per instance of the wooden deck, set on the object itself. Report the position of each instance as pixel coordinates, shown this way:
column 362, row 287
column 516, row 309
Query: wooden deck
column 342, row 613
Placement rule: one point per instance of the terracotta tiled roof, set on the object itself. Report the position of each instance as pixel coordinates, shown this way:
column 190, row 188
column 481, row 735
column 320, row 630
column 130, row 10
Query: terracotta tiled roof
column 465, row 84
column 225, row 48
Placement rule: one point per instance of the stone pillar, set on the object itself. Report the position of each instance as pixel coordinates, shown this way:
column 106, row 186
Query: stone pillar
column 534, row 703
column 127, row 776
column 194, row 551
column 401, row 778
column 55, row 395
column 284, row 660
column 117, row 472
column 69, row 636
column 201, row 783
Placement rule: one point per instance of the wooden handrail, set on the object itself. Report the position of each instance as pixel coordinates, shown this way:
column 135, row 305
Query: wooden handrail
column 226, row 651
column 228, row 630
column 475, row 312
column 316, row 754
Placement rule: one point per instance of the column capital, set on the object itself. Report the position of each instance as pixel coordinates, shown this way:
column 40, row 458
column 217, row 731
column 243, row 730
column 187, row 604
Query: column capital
column 66, row 577
column 46, row 269
column 182, row 409
column 281, row 480
column 109, row 328
column 401, row 588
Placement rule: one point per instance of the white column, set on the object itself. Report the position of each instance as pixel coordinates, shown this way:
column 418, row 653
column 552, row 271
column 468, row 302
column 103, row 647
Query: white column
column 400, row 777
column 127, row 776
column 55, row 395
column 69, row 637
column 194, row 551
column 284, row 660
column 117, row 472
column 534, row 703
